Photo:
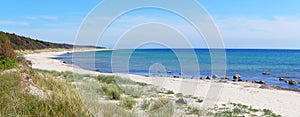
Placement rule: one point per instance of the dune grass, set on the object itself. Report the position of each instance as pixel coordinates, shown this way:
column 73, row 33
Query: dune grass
column 63, row 101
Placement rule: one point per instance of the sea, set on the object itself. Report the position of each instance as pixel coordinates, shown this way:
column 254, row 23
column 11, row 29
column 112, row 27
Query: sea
column 195, row 63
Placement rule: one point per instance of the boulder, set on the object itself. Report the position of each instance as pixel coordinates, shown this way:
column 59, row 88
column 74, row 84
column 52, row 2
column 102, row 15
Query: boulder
column 266, row 73
column 215, row 76
column 236, row 76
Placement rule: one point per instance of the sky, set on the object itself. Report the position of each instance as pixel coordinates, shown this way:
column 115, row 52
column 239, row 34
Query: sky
column 272, row 24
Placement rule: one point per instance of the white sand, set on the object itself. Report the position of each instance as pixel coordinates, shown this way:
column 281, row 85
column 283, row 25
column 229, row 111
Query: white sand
column 286, row 103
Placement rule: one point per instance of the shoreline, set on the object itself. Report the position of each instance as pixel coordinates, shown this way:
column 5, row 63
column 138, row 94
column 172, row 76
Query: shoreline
column 281, row 101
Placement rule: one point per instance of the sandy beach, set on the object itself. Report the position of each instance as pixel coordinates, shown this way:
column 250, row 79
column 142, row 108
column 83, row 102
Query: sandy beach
column 283, row 102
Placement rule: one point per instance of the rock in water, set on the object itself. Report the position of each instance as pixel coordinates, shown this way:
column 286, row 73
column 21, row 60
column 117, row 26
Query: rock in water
column 215, row 76
column 260, row 82
column 266, row 73
column 208, row 77
column 236, row 76
column 281, row 79
column 292, row 82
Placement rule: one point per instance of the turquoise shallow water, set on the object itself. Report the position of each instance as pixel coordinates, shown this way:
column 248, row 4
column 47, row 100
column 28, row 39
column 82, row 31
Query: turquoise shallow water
column 249, row 63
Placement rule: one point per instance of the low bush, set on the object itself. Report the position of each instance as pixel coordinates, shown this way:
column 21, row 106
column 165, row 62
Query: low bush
column 112, row 91
column 169, row 92
column 160, row 103
column 127, row 102
column 145, row 104
column 106, row 79
column 8, row 63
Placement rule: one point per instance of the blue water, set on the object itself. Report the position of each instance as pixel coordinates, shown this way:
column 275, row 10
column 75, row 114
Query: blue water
column 249, row 63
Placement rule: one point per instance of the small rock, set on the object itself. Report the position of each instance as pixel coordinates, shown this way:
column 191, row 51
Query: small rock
column 281, row 79
column 240, row 80
column 65, row 62
column 180, row 101
column 175, row 76
column 208, row 78
column 266, row 73
column 215, row 76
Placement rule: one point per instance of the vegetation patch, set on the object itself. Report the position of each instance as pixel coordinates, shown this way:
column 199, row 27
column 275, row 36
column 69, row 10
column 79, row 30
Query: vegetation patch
column 145, row 104
column 112, row 91
column 169, row 92
column 127, row 102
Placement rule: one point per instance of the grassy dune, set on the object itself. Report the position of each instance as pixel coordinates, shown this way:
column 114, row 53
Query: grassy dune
column 28, row 92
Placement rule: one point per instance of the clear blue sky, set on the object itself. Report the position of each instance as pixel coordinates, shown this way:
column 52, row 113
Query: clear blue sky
column 243, row 24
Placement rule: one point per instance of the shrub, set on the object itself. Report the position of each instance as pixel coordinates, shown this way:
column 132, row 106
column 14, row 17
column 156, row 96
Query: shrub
column 160, row 103
column 127, row 102
column 135, row 92
column 106, row 79
column 7, row 63
column 145, row 104
column 162, row 107
column 199, row 100
column 142, row 84
column 169, row 92
column 193, row 110
column 112, row 91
